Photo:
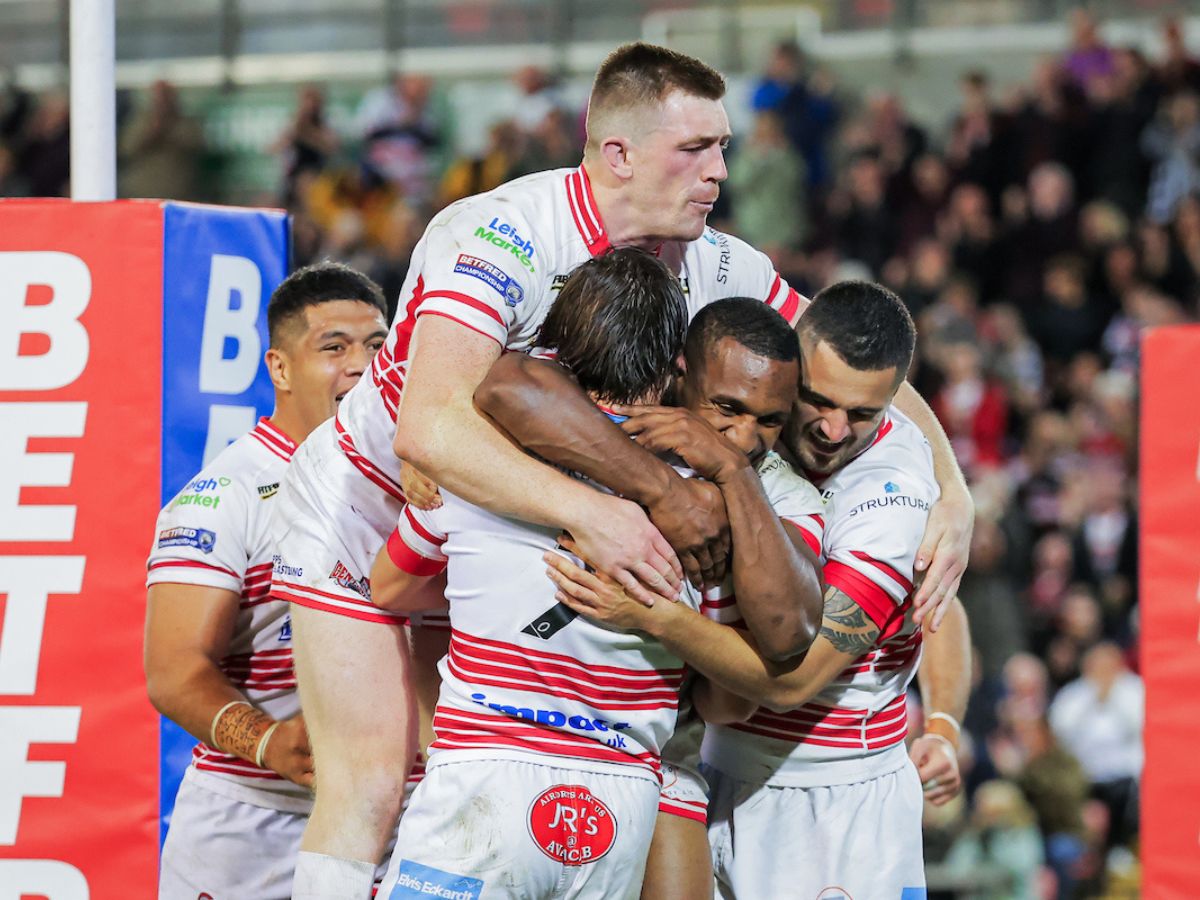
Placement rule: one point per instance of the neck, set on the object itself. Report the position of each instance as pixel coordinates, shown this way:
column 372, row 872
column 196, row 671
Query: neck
column 289, row 421
column 621, row 218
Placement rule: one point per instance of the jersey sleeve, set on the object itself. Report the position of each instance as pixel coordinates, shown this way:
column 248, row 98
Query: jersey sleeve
column 794, row 499
column 415, row 546
column 480, row 268
column 203, row 535
column 871, row 545
column 750, row 273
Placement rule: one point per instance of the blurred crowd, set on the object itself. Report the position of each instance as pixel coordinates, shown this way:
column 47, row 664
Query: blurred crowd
column 1033, row 236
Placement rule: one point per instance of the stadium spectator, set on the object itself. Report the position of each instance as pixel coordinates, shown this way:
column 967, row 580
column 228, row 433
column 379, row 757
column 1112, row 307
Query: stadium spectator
column 1002, row 842
column 767, row 177
column 401, row 136
column 1098, row 718
column 307, row 144
column 161, row 149
column 43, row 150
column 806, row 104
column 470, row 175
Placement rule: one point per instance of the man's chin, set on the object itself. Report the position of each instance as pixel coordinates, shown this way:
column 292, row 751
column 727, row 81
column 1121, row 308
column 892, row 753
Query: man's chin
column 818, row 463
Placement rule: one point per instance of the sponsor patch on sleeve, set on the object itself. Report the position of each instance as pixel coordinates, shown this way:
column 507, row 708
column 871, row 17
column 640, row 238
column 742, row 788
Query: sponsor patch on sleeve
column 491, row 275
column 182, row 536
column 416, row 880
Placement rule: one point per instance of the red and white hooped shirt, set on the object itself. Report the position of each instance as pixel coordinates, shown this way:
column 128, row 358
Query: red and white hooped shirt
column 494, row 263
column 876, row 508
column 794, row 499
column 217, row 531
column 525, row 678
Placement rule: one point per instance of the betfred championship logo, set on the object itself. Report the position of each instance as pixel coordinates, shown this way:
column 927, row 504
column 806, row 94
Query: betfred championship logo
column 571, row 825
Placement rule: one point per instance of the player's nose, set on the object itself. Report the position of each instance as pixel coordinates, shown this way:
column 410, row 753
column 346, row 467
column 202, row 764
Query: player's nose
column 357, row 360
column 836, row 426
column 716, row 169
column 743, row 435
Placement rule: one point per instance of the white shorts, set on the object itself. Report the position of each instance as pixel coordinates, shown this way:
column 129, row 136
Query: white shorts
column 844, row 842
column 684, row 792
column 478, row 829
column 336, row 520
column 224, row 848
column 684, row 789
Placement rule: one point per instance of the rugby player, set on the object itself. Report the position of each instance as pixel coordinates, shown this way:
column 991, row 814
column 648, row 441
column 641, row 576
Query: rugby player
column 738, row 351
column 218, row 652
column 481, row 281
column 817, row 779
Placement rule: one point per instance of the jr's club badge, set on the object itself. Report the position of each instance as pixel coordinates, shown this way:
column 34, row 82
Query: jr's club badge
column 570, row 825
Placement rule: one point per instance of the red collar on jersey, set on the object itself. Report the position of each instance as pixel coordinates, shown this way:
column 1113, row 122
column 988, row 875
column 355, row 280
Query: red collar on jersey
column 584, row 212
column 267, row 434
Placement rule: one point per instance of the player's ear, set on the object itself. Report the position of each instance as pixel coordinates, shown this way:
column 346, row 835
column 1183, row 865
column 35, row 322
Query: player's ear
column 615, row 153
column 279, row 368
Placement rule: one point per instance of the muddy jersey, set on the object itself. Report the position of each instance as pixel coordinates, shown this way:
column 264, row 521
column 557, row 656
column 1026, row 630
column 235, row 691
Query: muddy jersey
column 876, row 508
column 217, row 532
column 494, row 263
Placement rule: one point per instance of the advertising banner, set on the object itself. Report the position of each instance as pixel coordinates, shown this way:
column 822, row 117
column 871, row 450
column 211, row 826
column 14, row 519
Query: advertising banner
column 219, row 269
column 1169, row 495
column 101, row 418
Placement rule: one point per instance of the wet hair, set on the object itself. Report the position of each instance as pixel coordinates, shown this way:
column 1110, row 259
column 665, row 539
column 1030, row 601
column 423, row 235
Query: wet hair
column 641, row 75
column 750, row 322
column 618, row 324
column 312, row 285
column 865, row 324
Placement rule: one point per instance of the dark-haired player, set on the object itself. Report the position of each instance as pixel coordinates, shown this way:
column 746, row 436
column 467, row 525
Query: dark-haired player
column 815, row 791
column 574, row 701
column 218, row 652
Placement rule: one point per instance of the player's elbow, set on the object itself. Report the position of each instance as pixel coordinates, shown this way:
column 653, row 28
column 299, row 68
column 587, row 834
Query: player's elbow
column 782, row 698
column 508, row 391
column 411, row 443
column 162, row 684
column 790, row 638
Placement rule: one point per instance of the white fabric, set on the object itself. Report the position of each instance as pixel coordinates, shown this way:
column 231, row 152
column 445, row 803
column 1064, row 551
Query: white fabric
column 225, row 848
column 219, row 531
column 469, row 831
column 875, row 512
column 525, row 677
column 321, row 877
column 333, row 523
column 858, row 841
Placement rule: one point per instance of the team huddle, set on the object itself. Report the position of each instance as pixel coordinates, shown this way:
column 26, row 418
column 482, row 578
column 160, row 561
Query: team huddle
column 601, row 569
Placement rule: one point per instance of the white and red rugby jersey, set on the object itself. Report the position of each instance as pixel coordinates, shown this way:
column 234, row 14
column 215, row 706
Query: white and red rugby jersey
column 796, row 501
column 876, row 508
column 525, row 677
column 494, row 263
column 218, row 531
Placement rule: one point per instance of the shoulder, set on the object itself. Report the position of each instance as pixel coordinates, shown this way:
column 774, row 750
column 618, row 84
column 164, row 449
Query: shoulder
column 901, row 456
column 515, row 206
column 789, row 492
column 720, row 265
column 728, row 260
column 227, row 480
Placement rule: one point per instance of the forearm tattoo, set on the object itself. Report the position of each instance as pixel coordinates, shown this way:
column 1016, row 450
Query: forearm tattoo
column 846, row 626
column 240, row 729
